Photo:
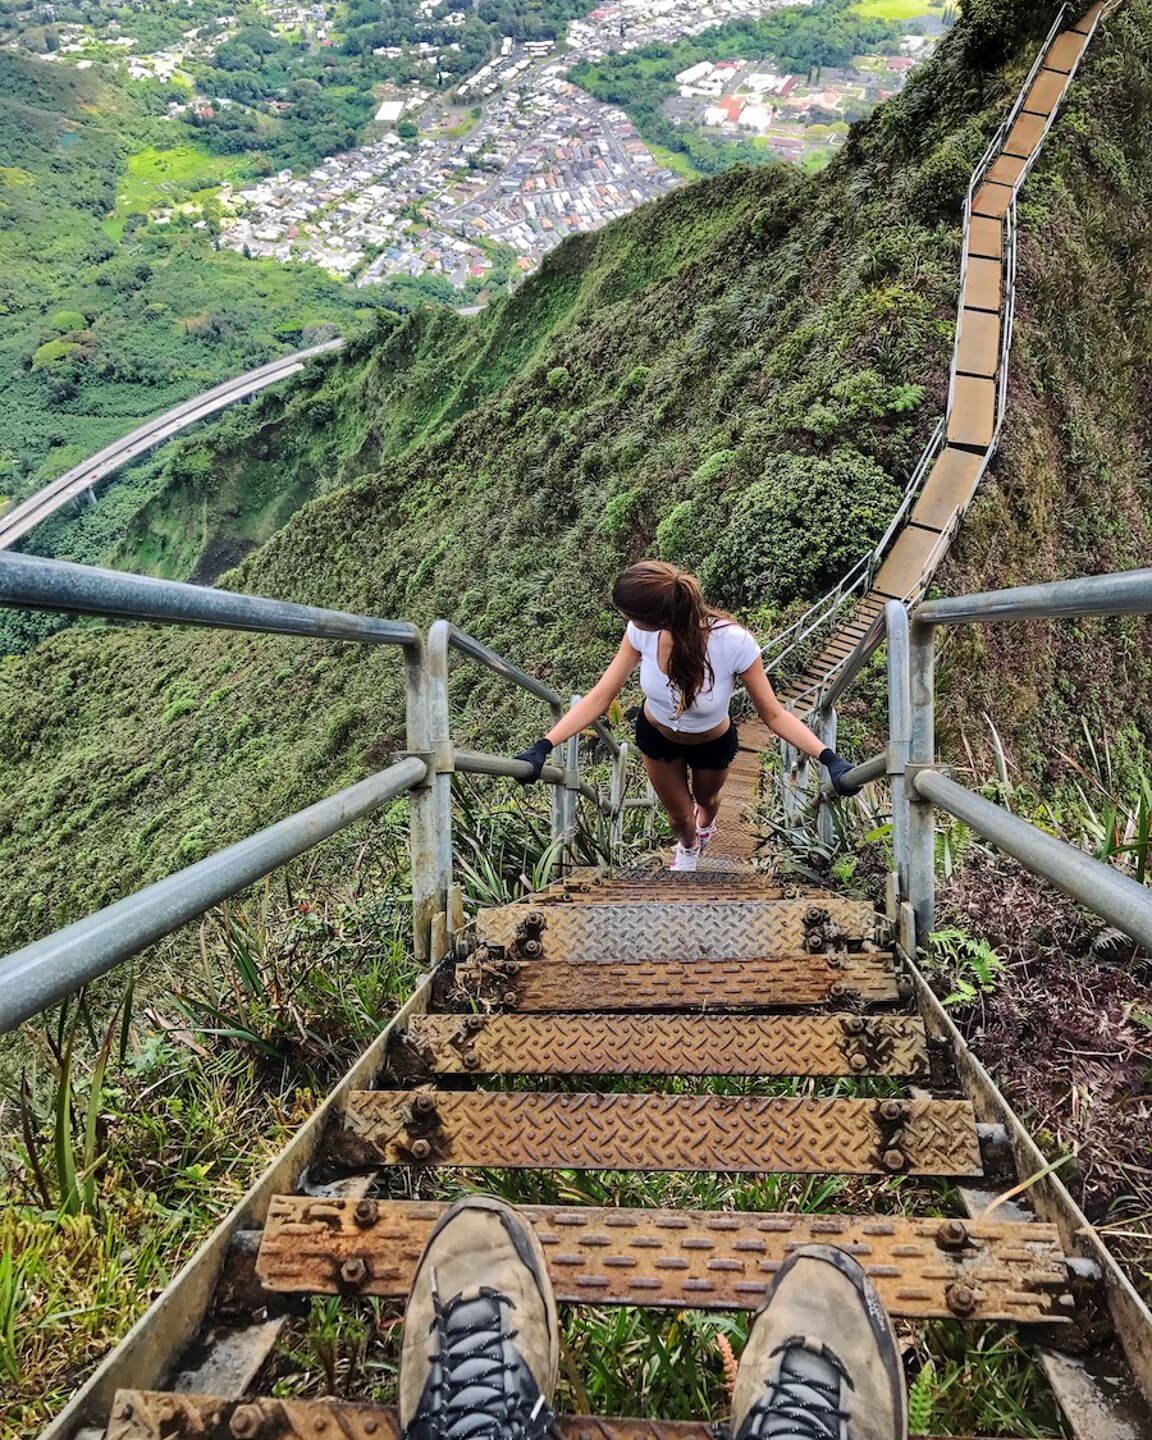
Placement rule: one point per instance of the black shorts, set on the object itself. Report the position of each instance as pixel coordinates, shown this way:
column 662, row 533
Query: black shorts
column 715, row 754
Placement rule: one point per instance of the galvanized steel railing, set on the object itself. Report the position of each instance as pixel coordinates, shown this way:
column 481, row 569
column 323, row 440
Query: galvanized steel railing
column 918, row 782
column 45, row 971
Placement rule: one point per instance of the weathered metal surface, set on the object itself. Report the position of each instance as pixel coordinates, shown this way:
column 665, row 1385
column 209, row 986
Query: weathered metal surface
column 669, row 1044
column 667, row 930
column 155, row 1415
column 992, row 199
column 759, row 984
column 1026, row 135
column 1008, row 170
column 977, row 349
column 983, row 284
column 1045, row 93
column 658, row 1132
column 901, row 571
column 948, row 488
column 973, row 417
column 1065, row 52
column 985, row 237
column 717, row 1260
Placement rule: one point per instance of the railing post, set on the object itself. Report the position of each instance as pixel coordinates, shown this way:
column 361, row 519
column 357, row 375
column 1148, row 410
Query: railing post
column 616, row 795
column 568, row 793
column 431, row 889
column 922, row 751
column 825, row 827
column 899, row 738
column 556, row 799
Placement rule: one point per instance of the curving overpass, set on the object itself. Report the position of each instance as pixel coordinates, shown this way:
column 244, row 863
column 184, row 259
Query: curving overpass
column 29, row 513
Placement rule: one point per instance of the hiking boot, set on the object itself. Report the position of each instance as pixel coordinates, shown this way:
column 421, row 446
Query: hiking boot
column 481, row 1335
column 684, row 858
column 821, row 1362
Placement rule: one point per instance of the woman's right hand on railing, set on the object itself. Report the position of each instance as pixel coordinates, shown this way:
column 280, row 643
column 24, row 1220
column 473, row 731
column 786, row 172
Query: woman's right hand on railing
column 536, row 754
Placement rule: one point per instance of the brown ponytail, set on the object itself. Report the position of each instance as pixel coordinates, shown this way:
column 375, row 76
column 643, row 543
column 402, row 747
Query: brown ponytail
column 657, row 595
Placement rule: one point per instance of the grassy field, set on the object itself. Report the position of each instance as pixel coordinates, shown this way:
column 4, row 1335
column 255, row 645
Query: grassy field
column 153, row 176
column 898, row 9
column 675, row 161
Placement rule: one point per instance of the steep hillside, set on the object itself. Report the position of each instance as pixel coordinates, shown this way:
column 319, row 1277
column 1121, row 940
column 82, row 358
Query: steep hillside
column 764, row 329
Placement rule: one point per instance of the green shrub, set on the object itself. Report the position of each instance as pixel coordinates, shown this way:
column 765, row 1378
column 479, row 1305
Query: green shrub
column 64, row 320
column 620, row 512
column 678, row 536
column 799, row 527
column 559, row 379
column 52, row 352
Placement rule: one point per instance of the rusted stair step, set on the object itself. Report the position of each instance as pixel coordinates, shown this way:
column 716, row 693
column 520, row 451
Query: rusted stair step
column 600, row 1044
column 671, row 931
column 706, row 1259
column 530, row 1130
column 756, row 984
column 168, row 1415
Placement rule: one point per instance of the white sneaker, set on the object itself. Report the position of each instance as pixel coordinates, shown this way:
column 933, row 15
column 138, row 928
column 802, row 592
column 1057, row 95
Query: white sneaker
column 683, row 858
column 704, row 833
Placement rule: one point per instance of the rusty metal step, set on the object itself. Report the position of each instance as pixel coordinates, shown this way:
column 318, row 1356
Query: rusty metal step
column 718, row 889
column 160, row 1415
column 758, row 984
column 673, row 932
column 668, row 1044
column 706, row 1259
column 529, row 1130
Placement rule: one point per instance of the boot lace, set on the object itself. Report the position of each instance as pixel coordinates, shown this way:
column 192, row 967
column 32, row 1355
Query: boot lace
column 480, row 1387
column 798, row 1404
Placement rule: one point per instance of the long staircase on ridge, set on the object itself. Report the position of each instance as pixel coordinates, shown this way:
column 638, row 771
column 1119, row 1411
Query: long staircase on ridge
column 976, row 398
column 725, row 973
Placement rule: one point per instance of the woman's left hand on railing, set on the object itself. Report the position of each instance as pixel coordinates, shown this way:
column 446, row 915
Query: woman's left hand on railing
column 536, row 755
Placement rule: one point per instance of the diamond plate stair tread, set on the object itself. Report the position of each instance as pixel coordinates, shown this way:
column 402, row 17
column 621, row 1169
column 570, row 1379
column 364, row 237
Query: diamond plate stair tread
column 675, row 932
column 760, row 984
column 992, row 199
column 901, row 571
column 949, row 487
column 978, row 344
column 983, row 284
column 670, row 1045
column 1065, row 52
column 986, row 237
column 1007, row 170
column 973, row 417
column 728, row 1133
column 1046, row 91
column 1026, row 135
column 164, row 1415
column 707, row 1259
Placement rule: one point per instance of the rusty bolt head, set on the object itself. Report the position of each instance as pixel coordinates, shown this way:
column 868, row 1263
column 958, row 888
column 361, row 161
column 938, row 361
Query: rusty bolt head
column 534, row 920
column 246, row 1422
column 471, row 1060
column 858, row 1061
column 423, row 1104
column 952, row 1235
column 893, row 1159
column 814, row 941
column 366, row 1213
column 354, row 1271
column 892, row 1110
column 370, row 1426
column 473, row 1023
column 961, row 1299
column 531, row 949
column 837, row 991
column 420, row 1149
column 320, row 1423
column 834, row 962
column 127, row 1410
column 814, row 915
column 854, row 1025
column 509, row 997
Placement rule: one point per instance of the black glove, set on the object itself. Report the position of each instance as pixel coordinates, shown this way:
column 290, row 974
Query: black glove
column 837, row 769
column 536, row 754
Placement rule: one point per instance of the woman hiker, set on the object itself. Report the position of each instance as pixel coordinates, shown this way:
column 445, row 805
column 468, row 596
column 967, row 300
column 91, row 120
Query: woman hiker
column 690, row 657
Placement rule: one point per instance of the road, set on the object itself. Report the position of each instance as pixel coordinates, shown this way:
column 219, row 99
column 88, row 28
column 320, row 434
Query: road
column 29, row 513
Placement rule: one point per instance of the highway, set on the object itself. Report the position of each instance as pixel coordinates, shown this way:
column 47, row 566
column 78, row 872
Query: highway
column 25, row 516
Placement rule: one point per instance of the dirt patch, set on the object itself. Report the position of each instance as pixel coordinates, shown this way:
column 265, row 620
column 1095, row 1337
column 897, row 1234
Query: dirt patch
column 1063, row 1034
column 217, row 557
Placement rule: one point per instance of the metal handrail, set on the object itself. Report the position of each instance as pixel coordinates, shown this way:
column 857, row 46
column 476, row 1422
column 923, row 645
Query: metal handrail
column 45, row 971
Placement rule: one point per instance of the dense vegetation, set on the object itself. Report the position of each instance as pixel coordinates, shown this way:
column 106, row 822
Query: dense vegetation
column 627, row 399
column 798, row 41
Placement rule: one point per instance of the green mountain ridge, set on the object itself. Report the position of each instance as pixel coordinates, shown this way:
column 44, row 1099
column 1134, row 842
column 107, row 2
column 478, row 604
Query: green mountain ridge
column 739, row 377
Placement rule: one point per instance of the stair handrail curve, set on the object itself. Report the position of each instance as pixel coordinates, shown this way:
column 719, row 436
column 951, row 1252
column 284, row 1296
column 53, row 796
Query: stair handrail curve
column 46, row 970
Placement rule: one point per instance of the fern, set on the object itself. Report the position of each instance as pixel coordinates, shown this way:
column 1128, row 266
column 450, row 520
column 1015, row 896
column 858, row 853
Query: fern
column 920, row 1400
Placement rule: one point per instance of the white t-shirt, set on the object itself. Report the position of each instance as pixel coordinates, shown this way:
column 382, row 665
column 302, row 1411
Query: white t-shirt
column 731, row 649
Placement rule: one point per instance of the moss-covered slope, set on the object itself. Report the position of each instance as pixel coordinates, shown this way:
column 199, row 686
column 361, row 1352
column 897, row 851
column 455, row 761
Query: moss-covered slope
column 499, row 471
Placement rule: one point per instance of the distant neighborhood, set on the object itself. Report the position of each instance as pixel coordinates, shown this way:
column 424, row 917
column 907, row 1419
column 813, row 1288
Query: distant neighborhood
column 478, row 184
